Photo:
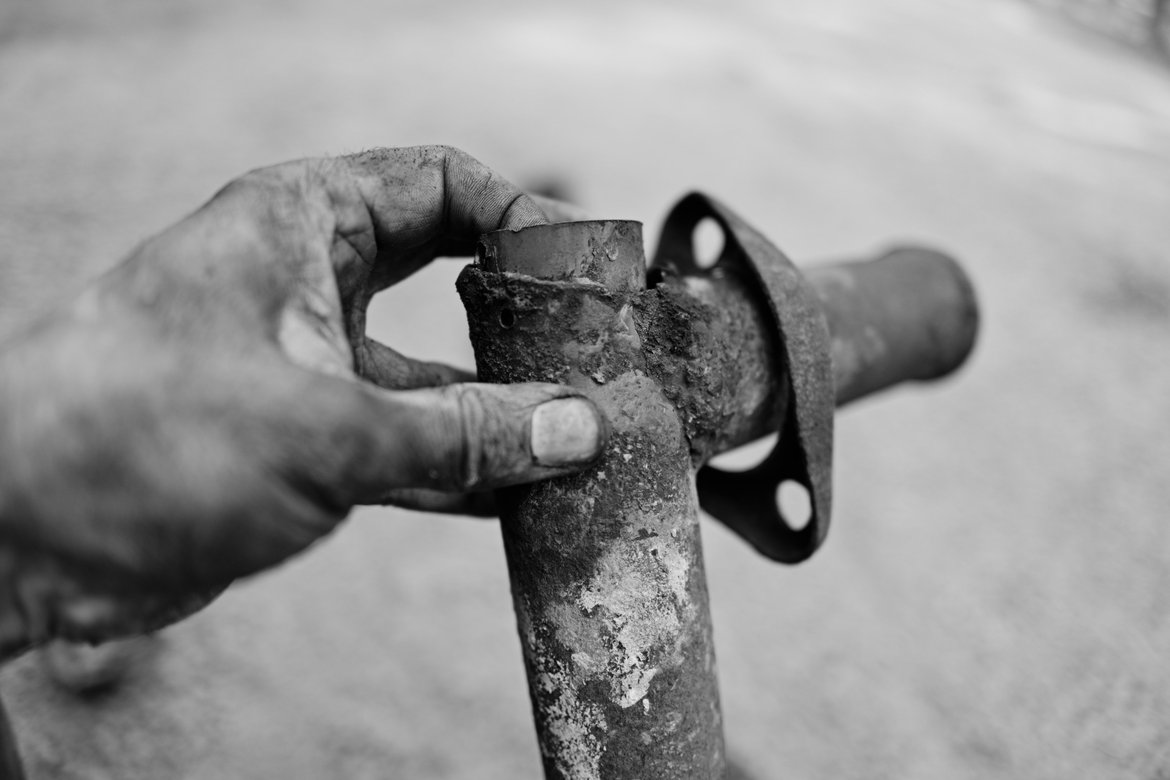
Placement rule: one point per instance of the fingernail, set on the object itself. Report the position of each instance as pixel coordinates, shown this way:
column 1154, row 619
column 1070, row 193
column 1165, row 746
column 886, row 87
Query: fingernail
column 565, row 431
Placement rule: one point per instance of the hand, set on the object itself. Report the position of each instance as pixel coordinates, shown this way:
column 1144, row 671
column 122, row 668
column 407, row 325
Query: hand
column 212, row 406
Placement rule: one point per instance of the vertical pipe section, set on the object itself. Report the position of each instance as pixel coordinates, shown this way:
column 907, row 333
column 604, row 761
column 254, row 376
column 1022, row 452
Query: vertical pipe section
column 606, row 566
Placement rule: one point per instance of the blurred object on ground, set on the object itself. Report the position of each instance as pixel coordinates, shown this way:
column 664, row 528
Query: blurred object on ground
column 1141, row 24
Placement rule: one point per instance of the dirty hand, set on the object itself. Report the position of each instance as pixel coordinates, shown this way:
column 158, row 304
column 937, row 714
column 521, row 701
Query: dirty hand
column 212, row 406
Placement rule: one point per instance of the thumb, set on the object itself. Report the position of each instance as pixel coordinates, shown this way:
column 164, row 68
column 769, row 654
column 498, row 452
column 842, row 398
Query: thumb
column 478, row 436
column 454, row 438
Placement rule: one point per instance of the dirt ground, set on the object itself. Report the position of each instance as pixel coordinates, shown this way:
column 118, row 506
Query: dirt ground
column 994, row 599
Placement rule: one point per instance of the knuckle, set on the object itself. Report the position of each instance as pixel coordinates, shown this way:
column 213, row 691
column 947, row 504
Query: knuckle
column 469, row 424
column 452, row 154
column 283, row 187
column 292, row 201
column 80, row 667
column 270, row 177
column 459, row 167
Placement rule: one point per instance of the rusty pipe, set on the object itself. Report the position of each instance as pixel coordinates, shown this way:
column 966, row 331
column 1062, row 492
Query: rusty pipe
column 606, row 566
column 909, row 314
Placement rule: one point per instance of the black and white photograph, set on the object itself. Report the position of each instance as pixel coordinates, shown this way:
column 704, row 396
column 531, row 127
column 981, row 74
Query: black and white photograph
column 647, row 390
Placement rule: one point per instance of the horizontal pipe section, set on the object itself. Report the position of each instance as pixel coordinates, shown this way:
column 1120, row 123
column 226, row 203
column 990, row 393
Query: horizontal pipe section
column 908, row 315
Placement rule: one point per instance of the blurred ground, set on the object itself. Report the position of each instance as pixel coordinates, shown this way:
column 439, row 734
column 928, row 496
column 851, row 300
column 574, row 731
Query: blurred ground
column 994, row 600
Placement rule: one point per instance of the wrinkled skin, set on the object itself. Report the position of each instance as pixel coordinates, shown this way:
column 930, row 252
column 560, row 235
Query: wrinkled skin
column 212, row 406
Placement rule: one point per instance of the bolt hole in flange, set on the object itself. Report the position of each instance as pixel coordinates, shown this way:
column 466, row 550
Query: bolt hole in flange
column 707, row 242
column 507, row 318
column 746, row 456
column 795, row 504
column 792, row 498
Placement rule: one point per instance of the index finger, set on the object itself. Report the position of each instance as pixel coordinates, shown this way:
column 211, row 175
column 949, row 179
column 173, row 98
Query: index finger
column 375, row 217
column 424, row 201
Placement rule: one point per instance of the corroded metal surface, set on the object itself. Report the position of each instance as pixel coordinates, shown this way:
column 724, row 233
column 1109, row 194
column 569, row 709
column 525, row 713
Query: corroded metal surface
column 800, row 336
column 606, row 566
column 608, row 252
column 832, row 335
